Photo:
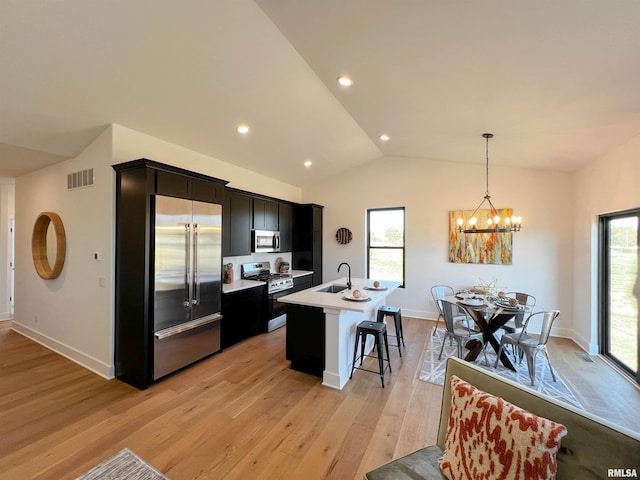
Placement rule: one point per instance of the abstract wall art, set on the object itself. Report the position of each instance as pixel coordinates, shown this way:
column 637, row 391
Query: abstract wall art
column 484, row 248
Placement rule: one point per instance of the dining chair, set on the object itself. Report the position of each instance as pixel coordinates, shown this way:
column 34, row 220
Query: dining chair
column 529, row 345
column 461, row 332
column 438, row 292
column 529, row 302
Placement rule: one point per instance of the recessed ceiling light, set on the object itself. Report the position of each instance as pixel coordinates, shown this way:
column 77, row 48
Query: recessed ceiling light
column 384, row 137
column 345, row 81
column 308, row 163
column 243, row 128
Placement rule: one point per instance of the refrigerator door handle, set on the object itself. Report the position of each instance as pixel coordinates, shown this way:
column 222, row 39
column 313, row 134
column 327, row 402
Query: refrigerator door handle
column 184, row 327
column 196, row 281
column 187, row 270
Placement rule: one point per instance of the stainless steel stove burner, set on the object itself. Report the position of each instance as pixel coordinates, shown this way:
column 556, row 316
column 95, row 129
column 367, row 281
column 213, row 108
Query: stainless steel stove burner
column 277, row 286
column 276, row 282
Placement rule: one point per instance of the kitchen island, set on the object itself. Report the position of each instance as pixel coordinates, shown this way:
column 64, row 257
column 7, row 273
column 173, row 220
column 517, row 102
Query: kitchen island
column 321, row 326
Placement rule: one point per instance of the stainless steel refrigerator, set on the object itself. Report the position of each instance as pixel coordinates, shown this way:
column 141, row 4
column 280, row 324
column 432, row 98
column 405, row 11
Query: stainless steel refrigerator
column 187, row 282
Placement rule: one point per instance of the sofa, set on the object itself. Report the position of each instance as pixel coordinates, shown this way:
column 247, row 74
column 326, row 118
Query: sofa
column 592, row 449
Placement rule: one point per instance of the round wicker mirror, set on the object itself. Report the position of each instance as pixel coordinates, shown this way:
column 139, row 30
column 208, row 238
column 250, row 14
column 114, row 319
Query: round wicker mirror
column 47, row 230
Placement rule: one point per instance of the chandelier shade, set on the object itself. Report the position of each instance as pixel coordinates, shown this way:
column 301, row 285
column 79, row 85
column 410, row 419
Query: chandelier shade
column 494, row 223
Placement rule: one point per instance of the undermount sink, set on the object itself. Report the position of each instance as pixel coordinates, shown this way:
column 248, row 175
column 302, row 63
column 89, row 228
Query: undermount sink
column 332, row 288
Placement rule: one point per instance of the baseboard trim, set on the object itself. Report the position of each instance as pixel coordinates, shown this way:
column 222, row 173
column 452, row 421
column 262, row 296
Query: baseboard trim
column 421, row 314
column 90, row 363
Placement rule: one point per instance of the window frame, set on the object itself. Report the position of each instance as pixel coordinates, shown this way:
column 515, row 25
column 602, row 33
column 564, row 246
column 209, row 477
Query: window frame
column 403, row 248
column 604, row 270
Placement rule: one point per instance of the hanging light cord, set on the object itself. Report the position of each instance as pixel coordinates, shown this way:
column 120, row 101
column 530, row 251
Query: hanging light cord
column 512, row 225
column 487, row 136
column 487, row 196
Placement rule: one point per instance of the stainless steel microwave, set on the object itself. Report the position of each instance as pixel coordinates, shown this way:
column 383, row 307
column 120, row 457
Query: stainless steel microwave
column 265, row 241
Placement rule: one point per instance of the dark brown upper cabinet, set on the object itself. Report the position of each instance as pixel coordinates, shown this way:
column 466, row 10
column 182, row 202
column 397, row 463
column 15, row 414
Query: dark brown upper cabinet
column 265, row 214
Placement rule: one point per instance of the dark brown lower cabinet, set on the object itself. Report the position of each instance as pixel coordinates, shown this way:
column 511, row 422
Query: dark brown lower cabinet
column 305, row 338
column 302, row 283
column 243, row 314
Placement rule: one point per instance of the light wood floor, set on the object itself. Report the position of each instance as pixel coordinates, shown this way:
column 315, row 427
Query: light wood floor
column 241, row 414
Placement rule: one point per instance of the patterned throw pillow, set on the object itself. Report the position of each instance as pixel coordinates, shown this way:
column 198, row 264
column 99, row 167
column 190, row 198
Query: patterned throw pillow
column 489, row 438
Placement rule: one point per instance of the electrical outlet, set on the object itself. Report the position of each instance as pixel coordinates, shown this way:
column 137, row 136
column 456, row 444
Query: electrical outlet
column 102, row 282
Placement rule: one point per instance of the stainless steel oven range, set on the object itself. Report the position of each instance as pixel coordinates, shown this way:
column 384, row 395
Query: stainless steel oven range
column 278, row 285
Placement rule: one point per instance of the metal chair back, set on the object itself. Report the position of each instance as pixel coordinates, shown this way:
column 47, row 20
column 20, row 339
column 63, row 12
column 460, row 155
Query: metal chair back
column 438, row 292
column 529, row 346
column 529, row 301
column 461, row 333
column 548, row 317
column 449, row 311
column 547, row 322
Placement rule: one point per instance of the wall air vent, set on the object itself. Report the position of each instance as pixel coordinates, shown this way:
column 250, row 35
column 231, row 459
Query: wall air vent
column 81, row 179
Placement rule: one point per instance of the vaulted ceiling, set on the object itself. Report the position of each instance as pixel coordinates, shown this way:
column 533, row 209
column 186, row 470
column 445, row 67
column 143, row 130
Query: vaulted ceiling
column 555, row 81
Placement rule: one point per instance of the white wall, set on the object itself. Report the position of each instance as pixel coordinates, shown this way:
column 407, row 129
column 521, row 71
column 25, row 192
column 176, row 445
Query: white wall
column 73, row 314
column 542, row 258
column 608, row 185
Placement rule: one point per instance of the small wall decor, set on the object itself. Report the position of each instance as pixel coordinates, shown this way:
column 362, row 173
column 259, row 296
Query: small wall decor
column 227, row 273
column 39, row 250
column 343, row 236
column 486, row 248
column 282, row 266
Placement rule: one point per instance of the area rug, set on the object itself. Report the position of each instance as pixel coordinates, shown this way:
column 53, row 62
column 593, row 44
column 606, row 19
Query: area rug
column 124, row 465
column 433, row 370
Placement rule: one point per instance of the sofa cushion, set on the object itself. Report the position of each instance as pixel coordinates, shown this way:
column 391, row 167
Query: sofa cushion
column 417, row 465
column 489, row 438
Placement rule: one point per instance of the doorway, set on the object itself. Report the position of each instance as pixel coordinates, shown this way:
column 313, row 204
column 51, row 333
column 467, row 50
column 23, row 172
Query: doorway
column 620, row 335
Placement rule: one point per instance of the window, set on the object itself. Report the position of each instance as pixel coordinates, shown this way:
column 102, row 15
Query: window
column 618, row 305
column 385, row 244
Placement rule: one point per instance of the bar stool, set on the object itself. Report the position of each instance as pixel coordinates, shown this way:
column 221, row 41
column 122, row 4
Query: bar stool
column 379, row 332
column 397, row 319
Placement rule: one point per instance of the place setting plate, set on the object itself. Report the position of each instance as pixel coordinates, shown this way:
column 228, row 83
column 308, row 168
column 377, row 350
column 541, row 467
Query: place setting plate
column 505, row 305
column 361, row 298
column 464, row 296
column 378, row 289
column 470, row 302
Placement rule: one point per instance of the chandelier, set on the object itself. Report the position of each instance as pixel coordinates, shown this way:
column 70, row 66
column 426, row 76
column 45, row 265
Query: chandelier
column 494, row 224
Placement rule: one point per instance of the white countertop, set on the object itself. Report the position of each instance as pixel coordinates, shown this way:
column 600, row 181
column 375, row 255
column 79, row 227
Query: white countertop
column 300, row 273
column 313, row 298
column 240, row 285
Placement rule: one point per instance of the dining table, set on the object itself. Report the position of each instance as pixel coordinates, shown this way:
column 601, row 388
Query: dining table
column 490, row 314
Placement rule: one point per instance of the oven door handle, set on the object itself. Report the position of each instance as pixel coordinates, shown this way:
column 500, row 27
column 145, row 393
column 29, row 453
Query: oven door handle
column 280, row 293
